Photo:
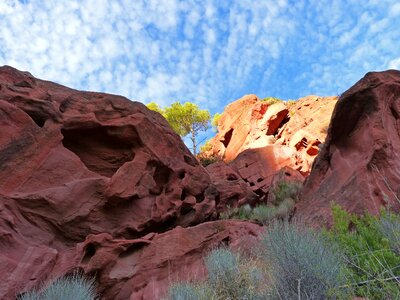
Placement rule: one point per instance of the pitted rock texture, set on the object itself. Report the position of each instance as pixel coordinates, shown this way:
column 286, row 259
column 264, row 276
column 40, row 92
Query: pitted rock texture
column 231, row 190
column 75, row 164
column 249, row 123
column 359, row 165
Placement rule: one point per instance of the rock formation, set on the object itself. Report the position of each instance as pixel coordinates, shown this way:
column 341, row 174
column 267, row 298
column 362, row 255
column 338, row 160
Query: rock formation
column 359, row 165
column 296, row 128
column 97, row 183
column 84, row 173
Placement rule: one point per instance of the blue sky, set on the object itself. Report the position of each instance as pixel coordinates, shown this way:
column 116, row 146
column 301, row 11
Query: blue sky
column 208, row 52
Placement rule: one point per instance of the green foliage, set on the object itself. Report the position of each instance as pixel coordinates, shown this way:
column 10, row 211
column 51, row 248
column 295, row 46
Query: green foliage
column 271, row 100
column 189, row 291
column 215, row 120
column 261, row 213
column 389, row 226
column 286, row 190
column 286, row 196
column 155, row 107
column 187, row 118
column 368, row 243
column 302, row 264
column 206, row 146
column 290, row 102
column 184, row 119
column 230, row 276
column 73, row 287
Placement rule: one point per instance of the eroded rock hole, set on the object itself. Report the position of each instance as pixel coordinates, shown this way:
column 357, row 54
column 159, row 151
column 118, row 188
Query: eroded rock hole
column 186, row 208
column 232, row 177
column 227, row 138
column 100, row 151
column 90, row 251
column 132, row 249
column 200, row 198
column 37, row 117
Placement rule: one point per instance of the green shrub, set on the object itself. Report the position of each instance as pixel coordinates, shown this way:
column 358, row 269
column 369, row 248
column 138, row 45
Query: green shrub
column 72, row 287
column 189, row 291
column 271, row 100
column 389, row 226
column 230, row 276
column 206, row 147
column 215, row 120
column 286, row 190
column 302, row 264
column 366, row 241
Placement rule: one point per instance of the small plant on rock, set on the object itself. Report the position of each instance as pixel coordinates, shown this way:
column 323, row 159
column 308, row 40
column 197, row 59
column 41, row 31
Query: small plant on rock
column 72, row 287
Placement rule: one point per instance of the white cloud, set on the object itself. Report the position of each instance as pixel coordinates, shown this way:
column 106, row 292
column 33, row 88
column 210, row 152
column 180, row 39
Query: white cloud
column 394, row 64
column 209, row 52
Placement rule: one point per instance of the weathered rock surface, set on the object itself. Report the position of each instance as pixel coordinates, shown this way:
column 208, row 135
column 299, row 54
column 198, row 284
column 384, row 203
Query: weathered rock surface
column 140, row 268
column 359, row 165
column 306, row 129
column 76, row 166
column 231, row 190
column 258, row 166
column 299, row 127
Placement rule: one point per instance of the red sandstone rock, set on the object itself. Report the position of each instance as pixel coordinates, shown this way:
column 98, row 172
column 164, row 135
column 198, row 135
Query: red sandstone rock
column 249, row 123
column 258, row 166
column 306, row 129
column 140, row 268
column 232, row 190
column 74, row 164
column 359, row 165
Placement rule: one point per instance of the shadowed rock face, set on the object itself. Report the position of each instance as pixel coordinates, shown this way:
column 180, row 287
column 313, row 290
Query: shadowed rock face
column 87, row 180
column 359, row 165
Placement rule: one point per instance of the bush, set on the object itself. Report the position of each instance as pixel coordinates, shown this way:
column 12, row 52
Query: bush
column 366, row 241
column 189, row 291
column 389, row 226
column 229, row 277
column 73, row 287
column 302, row 264
column 271, row 100
column 286, row 190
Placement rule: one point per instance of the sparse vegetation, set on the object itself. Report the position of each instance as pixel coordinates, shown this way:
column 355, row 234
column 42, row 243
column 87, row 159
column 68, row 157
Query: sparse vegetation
column 230, row 276
column 284, row 190
column 301, row 263
column 358, row 256
column 285, row 196
column 72, row 287
column 271, row 100
column 369, row 247
column 215, row 120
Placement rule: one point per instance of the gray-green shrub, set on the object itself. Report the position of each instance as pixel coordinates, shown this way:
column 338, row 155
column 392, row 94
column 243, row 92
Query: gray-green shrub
column 230, row 276
column 389, row 226
column 302, row 264
column 72, row 287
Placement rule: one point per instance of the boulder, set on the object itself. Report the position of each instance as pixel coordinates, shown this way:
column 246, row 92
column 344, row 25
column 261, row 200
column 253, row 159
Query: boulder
column 231, row 190
column 359, row 165
column 245, row 124
column 306, row 129
column 141, row 268
column 258, row 166
column 77, row 164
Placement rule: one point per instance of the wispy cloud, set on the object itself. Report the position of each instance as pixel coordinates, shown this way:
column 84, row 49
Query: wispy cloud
column 209, row 52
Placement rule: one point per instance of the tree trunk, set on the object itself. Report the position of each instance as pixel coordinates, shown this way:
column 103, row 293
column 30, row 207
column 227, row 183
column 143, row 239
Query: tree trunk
column 193, row 138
